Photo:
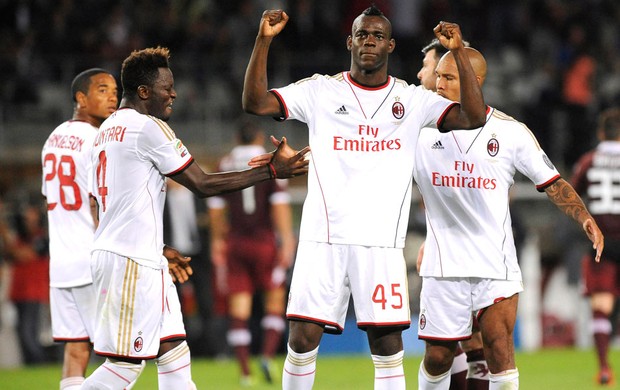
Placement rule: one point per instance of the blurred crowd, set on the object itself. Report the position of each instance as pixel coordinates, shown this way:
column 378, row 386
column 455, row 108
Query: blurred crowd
column 553, row 64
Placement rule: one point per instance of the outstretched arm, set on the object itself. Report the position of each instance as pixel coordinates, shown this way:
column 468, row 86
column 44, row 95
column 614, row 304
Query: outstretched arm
column 471, row 113
column 282, row 165
column 256, row 99
column 563, row 195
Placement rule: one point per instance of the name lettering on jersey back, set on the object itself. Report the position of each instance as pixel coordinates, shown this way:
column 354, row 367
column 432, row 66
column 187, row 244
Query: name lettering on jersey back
column 463, row 177
column 65, row 142
column 115, row 133
column 363, row 144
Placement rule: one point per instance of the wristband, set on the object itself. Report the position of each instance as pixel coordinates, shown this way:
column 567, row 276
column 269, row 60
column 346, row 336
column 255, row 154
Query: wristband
column 272, row 172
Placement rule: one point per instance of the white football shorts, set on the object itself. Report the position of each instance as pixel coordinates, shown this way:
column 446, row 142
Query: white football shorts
column 326, row 275
column 73, row 311
column 137, row 307
column 448, row 304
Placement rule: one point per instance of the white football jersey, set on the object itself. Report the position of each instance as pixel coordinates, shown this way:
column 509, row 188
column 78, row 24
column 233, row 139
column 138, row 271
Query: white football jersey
column 67, row 166
column 362, row 141
column 132, row 155
column 465, row 177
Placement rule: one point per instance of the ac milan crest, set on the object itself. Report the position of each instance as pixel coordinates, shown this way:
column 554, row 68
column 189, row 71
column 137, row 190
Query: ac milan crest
column 138, row 344
column 493, row 147
column 422, row 321
column 398, row 110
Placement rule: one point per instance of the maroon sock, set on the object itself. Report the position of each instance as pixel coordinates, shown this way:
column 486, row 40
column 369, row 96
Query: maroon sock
column 601, row 337
column 458, row 380
column 241, row 349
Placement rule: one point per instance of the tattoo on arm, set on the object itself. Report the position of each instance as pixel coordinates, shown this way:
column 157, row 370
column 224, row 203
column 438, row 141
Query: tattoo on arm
column 563, row 195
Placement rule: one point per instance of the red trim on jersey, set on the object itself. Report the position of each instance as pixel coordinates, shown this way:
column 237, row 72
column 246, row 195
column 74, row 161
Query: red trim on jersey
column 541, row 187
column 121, row 357
column 69, row 339
column 443, row 115
column 180, row 336
column 444, row 338
column 295, row 317
column 182, row 168
column 404, row 324
column 367, row 88
column 283, row 106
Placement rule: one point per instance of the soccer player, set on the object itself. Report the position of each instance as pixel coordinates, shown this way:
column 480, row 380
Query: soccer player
column 469, row 368
column 71, row 219
column 596, row 177
column 252, row 247
column 363, row 126
column 135, row 151
column 470, row 264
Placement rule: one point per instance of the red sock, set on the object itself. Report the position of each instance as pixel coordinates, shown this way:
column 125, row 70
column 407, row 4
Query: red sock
column 601, row 327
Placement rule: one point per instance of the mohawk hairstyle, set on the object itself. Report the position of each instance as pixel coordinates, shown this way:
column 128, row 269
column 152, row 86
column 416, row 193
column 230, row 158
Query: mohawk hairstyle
column 373, row 10
column 142, row 68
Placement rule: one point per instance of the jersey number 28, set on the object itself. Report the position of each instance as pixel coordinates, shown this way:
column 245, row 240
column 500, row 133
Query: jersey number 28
column 65, row 170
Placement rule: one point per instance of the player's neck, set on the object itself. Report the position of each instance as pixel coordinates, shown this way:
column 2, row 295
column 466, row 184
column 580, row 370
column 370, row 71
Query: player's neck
column 369, row 79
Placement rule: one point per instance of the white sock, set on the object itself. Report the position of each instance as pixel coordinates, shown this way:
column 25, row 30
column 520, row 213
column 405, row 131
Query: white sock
column 299, row 370
column 459, row 364
column 174, row 369
column 505, row 380
column 130, row 386
column 71, row 383
column 428, row 382
column 389, row 372
column 478, row 369
column 112, row 375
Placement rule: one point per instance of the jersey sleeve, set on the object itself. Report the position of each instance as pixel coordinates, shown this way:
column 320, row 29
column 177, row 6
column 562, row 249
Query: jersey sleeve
column 161, row 146
column 531, row 160
column 298, row 99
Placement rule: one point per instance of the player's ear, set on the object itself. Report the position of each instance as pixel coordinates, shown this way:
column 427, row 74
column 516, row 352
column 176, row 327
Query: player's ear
column 80, row 99
column 392, row 45
column 349, row 43
column 143, row 92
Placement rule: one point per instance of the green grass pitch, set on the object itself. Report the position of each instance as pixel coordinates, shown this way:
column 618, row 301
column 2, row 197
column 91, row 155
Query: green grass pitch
column 547, row 369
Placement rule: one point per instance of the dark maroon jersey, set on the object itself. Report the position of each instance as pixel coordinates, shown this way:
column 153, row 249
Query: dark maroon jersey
column 597, row 180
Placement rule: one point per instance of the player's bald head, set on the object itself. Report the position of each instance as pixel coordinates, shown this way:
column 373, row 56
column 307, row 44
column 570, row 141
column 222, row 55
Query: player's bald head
column 478, row 63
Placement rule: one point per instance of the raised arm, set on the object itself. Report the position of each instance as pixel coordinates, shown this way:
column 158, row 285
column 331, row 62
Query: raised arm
column 256, row 99
column 563, row 195
column 471, row 113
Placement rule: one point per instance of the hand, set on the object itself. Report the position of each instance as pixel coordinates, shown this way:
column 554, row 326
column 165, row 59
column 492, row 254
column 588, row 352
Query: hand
column 272, row 22
column 449, row 34
column 289, row 163
column 178, row 265
column 264, row 159
column 596, row 236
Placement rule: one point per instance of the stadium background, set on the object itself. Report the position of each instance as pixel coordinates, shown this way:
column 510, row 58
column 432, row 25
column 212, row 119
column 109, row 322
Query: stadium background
column 553, row 64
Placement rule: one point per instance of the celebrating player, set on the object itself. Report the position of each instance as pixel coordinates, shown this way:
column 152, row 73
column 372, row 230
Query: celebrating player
column 363, row 126
column 469, row 369
column 470, row 263
column 138, row 311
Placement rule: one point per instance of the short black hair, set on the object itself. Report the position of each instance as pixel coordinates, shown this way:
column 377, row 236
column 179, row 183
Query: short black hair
column 248, row 131
column 440, row 50
column 82, row 81
column 609, row 124
column 373, row 10
column 142, row 68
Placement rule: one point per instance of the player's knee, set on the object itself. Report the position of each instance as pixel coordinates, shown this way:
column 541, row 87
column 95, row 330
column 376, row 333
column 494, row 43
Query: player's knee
column 304, row 337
